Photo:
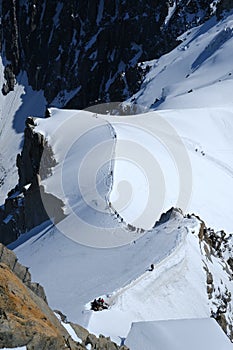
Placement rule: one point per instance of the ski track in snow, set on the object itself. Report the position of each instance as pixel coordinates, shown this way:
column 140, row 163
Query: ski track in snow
column 192, row 145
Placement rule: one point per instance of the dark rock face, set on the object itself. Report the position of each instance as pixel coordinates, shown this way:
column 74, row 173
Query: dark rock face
column 30, row 162
column 24, row 208
column 10, row 80
column 218, row 246
column 171, row 213
column 223, row 7
column 86, row 52
column 101, row 343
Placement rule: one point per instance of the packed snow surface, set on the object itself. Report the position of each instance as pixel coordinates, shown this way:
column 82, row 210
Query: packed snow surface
column 189, row 334
column 196, row 168
column 141, row 166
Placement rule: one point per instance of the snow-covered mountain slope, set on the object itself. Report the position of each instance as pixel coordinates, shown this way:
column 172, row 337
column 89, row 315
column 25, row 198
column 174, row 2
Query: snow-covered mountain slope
column 79, row 273
column 117, row 174
column 198, row 73
column 190, row 283
column 176, row 289
column 123, row 149
column 135, row 165
column 194, row 334
column 187, row 282
column 15, row 107
column 186, row 157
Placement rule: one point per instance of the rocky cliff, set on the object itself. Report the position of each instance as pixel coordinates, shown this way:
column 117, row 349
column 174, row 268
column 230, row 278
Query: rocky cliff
column 23, row 208
column 27, row 320
column 217, row 252
column 88, row 52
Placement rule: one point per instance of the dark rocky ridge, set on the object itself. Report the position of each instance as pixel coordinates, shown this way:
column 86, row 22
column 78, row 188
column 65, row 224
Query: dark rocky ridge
column 218, row 245
column 86, row 52
column 24, row 207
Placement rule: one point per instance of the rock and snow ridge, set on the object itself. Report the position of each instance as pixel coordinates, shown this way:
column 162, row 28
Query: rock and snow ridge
column 210, row 156
column 119, row 274
column 90, row 52
column 198, row 73
column 121, row 270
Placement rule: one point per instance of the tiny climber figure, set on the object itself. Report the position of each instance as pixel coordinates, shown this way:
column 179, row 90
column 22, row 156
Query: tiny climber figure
column 152, row 266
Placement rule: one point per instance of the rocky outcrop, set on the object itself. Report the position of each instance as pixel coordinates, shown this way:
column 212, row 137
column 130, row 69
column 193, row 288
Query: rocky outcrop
column 171, row 213
column 100, row 343
column 9, row 258
column 223, row 6
column 88, row 52
column 9, row 78
column 26, row 319
column 216, row 248
column 24, row 207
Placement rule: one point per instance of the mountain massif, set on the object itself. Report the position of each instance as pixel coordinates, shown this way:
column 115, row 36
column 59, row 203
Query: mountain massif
column 87, row 52
column 115, row 173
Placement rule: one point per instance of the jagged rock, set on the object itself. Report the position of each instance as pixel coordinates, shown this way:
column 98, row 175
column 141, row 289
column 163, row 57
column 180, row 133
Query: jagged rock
column 218, row 246
column 9, row 258
column 167, row 216
column 92, row 340
column 27, row 318
column 10, row 80
column 102, row 343
column 27, row 204
column 81, row 332
column 94, row 48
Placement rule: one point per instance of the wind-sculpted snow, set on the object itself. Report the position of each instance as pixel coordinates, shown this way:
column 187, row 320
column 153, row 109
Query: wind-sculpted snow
column 111, row 174
column 79, row 273
column 117, row 174
column 184, row 334
column 174, row 289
